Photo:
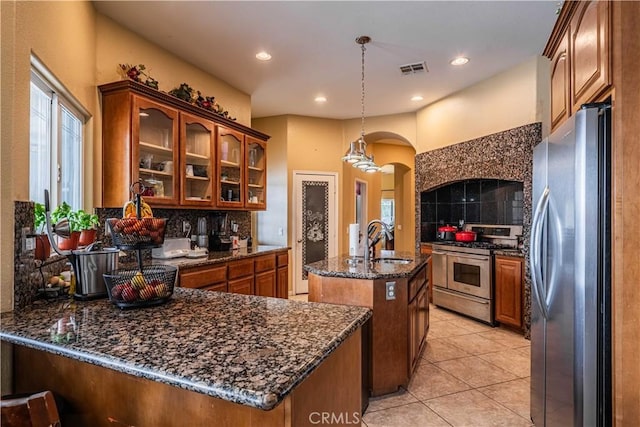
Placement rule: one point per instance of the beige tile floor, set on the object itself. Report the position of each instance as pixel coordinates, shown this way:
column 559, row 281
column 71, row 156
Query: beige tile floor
column 470, row 375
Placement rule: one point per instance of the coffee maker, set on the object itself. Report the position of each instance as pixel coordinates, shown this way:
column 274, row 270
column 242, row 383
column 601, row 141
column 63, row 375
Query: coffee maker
column 220, row 239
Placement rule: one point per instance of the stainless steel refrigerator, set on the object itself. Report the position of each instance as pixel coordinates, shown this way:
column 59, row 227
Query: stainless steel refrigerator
column 570, row 260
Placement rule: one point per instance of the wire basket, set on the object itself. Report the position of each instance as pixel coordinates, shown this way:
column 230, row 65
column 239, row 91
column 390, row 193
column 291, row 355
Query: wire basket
column 152, row 285
column 134, row 233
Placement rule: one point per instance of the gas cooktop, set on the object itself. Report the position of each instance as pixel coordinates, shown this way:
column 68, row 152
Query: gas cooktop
column 470, row 247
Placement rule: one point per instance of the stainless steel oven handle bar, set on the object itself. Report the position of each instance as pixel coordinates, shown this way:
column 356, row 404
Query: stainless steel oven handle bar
column 459, row 295
column 463, row 256
column 539, row 221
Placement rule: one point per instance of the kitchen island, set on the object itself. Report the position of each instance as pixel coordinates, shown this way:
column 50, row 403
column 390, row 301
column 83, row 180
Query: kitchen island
column 203, row 358
column 395, row 287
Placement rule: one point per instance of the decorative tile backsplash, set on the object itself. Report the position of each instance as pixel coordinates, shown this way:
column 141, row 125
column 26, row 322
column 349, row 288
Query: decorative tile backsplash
column 506, row 155
column 475, row 201
column 31, row 274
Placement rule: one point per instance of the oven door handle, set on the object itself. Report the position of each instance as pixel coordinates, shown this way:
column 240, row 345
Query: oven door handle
column 475, row 258
column 535, row 253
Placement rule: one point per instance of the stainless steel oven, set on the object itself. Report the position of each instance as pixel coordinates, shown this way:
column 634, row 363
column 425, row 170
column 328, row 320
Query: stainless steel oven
column 469, row 274
column 463, row 272
column 462, row 282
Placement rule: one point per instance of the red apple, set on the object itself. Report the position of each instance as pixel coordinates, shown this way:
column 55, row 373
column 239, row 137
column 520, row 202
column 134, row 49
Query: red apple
column 129, row 294
column 116, row 291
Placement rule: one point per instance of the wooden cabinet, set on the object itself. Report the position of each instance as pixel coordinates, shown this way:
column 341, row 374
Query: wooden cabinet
column 418, row 316
column 580, row 58
column 230, row 168
column 398, row 327
column 266, row 284
column 265, row 268
column 240, row 268
column 560, row 105
column 154, row 144
column 264, row 275
column 242, row 286
column 197, row 168
column 508, row 292
column 425, row 249
column 255, row 174
column 590, row 69
column 213, row 278
column 282, row 278
column 186, row 156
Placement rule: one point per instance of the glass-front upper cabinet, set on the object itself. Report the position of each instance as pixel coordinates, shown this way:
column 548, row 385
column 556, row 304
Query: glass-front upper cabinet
column 154, row 149
column 230, row 160
column 256, row 174
column 196, row 158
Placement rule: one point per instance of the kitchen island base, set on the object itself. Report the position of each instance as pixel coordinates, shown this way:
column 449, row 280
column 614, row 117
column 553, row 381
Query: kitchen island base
column 98, row 396
column 400, row 321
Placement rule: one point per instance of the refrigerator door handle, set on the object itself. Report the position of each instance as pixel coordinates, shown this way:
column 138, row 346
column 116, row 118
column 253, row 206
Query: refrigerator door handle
column 535, row 252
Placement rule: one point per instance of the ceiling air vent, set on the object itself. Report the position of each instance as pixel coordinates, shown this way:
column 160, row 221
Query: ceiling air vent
column 418, row 67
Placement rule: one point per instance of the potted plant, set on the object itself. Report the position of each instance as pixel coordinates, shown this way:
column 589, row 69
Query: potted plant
column 59, row 213
column 43, row 247
column 86, row 224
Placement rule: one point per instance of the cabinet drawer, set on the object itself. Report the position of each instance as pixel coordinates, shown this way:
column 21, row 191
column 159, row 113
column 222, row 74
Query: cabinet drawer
column 241, row 286
column 198, row 278
column 240, row 268
column 265, row 263
column 283, row 259
column 219, row 287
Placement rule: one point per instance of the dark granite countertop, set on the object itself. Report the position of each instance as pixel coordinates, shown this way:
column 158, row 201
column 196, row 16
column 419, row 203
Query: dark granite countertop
column 216, row 257
column 340, row 267
column 509, row 252
column 244, row 349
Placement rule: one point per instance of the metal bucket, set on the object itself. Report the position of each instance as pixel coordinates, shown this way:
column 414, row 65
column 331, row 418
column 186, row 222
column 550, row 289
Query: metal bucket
column 89, row 267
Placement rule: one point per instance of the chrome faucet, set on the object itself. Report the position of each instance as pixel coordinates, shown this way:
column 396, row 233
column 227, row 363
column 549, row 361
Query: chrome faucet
column 369, row 241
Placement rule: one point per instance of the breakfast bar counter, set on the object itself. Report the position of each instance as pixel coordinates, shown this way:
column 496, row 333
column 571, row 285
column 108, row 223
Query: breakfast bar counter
column 203, row 358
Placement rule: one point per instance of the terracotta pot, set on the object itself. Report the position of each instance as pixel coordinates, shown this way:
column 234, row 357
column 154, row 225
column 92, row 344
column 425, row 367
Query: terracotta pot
column 43, row 247
column 69, row 244
column 87, row 237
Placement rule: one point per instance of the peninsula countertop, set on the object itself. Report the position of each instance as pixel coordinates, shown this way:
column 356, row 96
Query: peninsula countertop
column 341, row 266
column 244, row 349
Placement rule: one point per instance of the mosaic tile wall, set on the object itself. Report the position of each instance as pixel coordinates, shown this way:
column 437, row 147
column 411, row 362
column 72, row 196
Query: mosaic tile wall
column 504, row 155
column 31, row 274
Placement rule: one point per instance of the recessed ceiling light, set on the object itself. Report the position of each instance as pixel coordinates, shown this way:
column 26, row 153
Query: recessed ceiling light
column 321, row 99
column 417, row 98
column 263, row 56
column 460, row 60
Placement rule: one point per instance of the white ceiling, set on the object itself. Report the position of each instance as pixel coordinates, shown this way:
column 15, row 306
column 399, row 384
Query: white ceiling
column 314, row 50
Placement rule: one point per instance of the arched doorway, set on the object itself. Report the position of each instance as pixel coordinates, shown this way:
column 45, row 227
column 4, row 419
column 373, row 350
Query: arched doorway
column 390, row 193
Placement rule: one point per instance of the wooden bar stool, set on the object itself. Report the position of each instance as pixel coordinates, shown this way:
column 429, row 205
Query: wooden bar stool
column 36, row 410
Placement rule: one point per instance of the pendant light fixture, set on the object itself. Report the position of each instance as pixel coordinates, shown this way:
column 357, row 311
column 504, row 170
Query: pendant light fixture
column 357, row 155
